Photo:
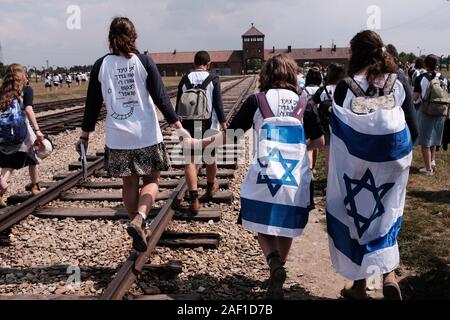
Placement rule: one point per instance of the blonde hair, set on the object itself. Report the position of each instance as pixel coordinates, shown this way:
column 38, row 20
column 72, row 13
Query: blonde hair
column 12, row 85
column 279, row 72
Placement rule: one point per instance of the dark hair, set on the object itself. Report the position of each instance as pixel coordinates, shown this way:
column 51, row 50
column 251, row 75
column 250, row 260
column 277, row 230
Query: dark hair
column 122, row 37
column 420, row 63
column 335, row 74
column 314, row 77
column 202, row 58
column 279, row 72
column 368, row 51
column 431, row 62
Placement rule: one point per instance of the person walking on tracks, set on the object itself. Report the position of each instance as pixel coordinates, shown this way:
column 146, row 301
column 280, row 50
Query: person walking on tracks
column 276, row 196
column 130, row 86
column 370, row 157
column 200, row 107
column 19, row 130
column 433, row 90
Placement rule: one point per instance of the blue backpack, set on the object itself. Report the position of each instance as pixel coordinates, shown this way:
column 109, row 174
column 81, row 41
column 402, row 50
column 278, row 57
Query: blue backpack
column 13, row 128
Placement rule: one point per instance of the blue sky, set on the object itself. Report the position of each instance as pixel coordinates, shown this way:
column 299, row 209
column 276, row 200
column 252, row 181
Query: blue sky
column 33, row 31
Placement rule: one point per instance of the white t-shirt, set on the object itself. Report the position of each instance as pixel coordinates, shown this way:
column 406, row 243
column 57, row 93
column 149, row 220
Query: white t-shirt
column 132, row 122
column 311, row 91
column 282, row 102
column 197, row 78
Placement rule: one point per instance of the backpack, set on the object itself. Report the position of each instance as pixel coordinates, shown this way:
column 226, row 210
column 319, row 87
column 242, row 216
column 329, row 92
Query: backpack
column 324, row 111
column 365, row 104
column 13, row 127
column 193, row 103
column 436, row 102
column 275, row 195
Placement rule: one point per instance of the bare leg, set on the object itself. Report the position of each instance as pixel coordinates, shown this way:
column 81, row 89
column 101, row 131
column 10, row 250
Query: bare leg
column 433, row 154
column 310, row 158
column 284, row 246
column 34, row 174
column 267, row 243
column 191, row 176
column 211, row 172
column 130, row 194
column 149, row 192
column 314, row 158
column 4, row 177
column 426, row 153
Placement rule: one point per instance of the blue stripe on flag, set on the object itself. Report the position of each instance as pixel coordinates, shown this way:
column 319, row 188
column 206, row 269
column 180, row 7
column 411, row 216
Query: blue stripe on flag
column 351, row 248
column 283, row 134
column 373, row 148
column 271, row 214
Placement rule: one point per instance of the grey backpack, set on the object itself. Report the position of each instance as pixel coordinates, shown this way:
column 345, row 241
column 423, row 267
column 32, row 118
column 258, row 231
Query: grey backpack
column 365, row 104
column 436, row 102
column 193, row 103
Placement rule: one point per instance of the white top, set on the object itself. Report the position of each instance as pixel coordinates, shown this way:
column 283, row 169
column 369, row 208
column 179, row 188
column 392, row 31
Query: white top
column 282, row 102
column 132, row 122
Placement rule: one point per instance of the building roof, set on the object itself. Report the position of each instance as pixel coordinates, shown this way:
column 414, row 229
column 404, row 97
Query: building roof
column 188, row 57
column 253, row 32
column 311, row 53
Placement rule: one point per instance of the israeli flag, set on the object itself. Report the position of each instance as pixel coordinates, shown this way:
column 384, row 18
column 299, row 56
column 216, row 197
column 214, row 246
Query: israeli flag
column 370, row 157
column 275, row 194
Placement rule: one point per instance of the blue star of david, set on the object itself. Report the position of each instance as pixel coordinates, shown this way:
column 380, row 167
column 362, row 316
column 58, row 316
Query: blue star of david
column 287, row 179
column 367, row 182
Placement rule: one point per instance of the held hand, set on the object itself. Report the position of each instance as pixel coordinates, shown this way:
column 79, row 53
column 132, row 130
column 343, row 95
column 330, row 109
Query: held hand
column 78, row 145
column 39, row 138
column 223, row 126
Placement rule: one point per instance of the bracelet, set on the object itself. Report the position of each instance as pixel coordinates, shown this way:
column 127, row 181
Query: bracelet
column 36, row 130
column 84, row 138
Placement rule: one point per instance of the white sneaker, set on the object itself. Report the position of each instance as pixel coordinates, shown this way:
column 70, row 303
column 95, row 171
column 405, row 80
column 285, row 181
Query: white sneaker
column 433, row 164
column 427, row 172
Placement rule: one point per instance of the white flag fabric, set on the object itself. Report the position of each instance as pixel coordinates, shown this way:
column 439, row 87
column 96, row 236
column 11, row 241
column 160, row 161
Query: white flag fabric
column 370, row 157
column 275, row 194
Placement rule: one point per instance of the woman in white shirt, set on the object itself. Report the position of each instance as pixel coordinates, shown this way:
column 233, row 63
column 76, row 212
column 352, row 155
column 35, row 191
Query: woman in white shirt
column 130, row 86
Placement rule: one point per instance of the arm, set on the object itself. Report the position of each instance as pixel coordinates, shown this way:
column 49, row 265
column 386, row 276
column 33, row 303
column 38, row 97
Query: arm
column 408, row 108
column 28, row 104
column 94, row 101
column 158, row 92
column 217, row 103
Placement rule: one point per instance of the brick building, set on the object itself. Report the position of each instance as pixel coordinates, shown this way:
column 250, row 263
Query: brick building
column 249, row 59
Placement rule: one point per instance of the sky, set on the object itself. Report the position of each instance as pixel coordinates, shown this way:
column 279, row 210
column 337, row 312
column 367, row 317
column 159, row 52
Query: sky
column 32, row 32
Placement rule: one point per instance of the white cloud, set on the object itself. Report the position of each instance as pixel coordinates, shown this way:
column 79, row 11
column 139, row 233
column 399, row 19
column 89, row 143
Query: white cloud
column 32, row 31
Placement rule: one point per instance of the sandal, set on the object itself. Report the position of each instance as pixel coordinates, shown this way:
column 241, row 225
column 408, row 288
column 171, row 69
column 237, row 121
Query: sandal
column 350, row 293
column 277, row 277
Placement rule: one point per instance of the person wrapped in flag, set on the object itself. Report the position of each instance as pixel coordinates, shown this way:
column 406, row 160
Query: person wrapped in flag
column 371, row 153
column 276, row 195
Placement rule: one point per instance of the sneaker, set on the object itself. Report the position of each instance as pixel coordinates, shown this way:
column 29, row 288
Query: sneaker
column 212, row 188
column 136, row 230
column 2, row 202
column 427, row 172
column 433, row 164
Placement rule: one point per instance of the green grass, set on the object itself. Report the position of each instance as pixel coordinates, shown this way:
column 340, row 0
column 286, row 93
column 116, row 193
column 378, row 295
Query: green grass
column 42, row 95
column 424, row 239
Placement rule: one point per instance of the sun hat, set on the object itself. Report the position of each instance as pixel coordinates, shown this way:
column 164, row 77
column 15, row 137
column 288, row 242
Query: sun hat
column 44, row 149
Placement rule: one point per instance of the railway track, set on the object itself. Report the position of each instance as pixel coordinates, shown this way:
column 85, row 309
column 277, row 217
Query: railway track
column 173, row 197
column 76, row 102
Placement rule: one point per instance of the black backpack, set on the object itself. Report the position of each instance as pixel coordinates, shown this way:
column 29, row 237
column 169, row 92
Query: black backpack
column 324, row 111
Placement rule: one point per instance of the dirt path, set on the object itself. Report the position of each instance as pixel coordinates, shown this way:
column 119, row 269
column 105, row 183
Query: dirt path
column 310, row 274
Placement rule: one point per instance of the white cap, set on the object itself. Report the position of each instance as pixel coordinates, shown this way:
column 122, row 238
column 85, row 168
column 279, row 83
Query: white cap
column 44, row 149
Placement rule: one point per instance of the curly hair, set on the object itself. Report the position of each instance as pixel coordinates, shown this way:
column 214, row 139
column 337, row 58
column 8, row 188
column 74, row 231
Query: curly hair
column 122, row 37
column 12, row 85
column 368, row 51
column 279, row 72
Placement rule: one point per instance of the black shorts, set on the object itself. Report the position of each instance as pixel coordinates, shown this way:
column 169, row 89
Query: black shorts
column 16, row 161
column 199, row 130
